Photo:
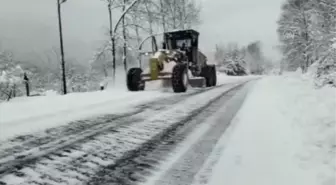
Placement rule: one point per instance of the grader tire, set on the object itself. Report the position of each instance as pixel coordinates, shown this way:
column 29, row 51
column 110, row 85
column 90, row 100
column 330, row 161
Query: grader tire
column 214, row 75
column 134, row 82
column 180, row 78
column 209, row 73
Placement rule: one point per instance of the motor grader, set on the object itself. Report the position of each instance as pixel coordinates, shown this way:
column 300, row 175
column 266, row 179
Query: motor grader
column 178, row 63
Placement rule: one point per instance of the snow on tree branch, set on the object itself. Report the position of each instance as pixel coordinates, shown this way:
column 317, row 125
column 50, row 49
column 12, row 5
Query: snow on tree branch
column 307, row 31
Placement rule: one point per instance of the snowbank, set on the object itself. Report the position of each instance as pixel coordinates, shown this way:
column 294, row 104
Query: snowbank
column 284, row 134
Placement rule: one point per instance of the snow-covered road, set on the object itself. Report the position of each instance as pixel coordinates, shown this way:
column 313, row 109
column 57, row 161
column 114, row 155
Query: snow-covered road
column 189, row 156
column 110, row 149
column 285, row 129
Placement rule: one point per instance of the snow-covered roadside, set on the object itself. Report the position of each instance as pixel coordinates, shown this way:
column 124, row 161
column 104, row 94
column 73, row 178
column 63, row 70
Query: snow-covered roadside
column 27, row 115
column 284, row 134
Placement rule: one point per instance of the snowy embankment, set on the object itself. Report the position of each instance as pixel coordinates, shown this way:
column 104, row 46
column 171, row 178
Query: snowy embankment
column 283, row 134
column 28, row 115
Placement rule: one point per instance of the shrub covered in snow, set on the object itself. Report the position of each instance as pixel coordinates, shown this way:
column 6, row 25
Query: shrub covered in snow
column 326, row 74
column 10, row 78
column 231, row 60
column 233, row 68
column 325, row 69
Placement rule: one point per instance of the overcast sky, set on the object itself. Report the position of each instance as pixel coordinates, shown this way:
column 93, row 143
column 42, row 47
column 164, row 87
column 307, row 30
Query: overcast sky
column 240, row 21
column 30, row 26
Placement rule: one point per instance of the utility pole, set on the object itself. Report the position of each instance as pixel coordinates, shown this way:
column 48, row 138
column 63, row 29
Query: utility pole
column 59, row 2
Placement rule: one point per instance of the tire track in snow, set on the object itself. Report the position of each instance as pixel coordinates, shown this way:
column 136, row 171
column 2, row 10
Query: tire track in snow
column 136, row 165
column 84, row 148
column 186, row 168
column 25, row 142
column 14, row 148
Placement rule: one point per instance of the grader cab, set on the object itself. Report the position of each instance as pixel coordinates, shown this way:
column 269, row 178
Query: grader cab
column 179, row 63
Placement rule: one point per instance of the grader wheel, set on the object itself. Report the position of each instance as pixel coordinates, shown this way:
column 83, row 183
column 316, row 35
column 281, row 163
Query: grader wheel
column 209, row 73
column 134, row 81
column 214, row 75
column 180, row 78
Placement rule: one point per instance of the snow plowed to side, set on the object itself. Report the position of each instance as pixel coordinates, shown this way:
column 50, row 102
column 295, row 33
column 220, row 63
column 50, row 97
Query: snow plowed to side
column 284, row 134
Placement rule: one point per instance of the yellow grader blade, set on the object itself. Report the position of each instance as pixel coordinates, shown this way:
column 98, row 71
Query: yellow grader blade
column 156, row 65
column 154, row 71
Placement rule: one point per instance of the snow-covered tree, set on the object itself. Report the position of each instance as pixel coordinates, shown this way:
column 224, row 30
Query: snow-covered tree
column 181, row 14
column 146, row 17
column 11, row 76
column 231, row 59
column 326, row 53
column 306, row 30
column 295, row 33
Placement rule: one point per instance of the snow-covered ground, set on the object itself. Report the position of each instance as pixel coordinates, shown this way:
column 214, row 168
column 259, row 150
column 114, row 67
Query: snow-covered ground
column 27, row 115
column 188, row 157
column 133, row 133
column 283, row 135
